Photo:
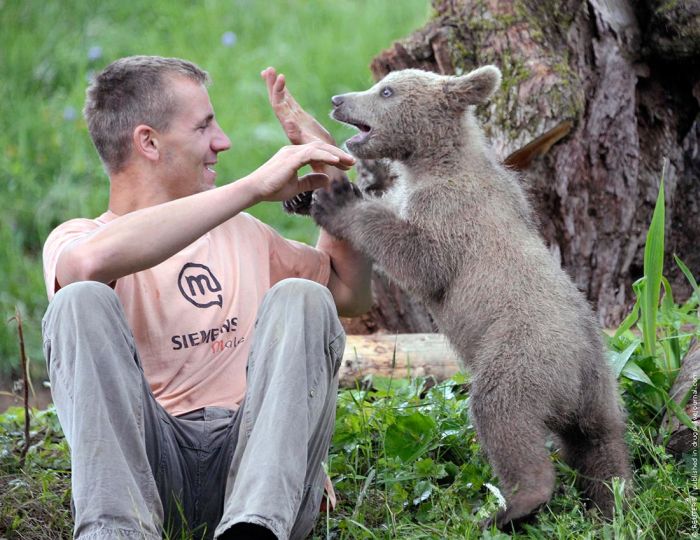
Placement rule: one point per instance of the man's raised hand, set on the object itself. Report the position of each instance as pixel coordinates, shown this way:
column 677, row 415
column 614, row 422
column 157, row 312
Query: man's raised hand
column 299, row 125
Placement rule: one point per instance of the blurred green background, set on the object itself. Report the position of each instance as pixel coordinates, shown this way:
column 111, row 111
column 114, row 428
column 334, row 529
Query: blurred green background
column 49, row 171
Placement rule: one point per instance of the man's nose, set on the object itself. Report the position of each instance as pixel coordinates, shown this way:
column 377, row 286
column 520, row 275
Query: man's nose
column 220, row 142
column 337, row 100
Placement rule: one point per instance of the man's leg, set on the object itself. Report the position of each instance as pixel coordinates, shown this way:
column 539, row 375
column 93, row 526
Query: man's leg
column 276, row 478
column 102, row 400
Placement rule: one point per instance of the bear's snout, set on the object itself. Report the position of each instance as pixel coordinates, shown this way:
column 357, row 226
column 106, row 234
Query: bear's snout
column 337, row 100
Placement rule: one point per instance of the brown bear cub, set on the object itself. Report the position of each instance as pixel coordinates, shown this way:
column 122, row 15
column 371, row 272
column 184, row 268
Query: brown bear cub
column 456, row 230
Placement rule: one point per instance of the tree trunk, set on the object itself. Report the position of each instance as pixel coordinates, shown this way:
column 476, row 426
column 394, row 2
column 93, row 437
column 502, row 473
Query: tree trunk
column 682, row 439
column 627, row 76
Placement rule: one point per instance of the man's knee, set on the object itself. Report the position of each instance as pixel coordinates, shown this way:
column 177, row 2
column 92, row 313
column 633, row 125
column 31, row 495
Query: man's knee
column 83, row 293
column 301, row 307
column 301, row 294
column 297, row 287
column 85, row 305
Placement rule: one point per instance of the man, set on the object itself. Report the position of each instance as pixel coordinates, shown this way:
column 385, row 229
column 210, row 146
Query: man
column 181, row 409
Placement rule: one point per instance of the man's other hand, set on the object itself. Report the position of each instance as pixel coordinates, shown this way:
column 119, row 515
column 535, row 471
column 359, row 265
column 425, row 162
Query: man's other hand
column 278, row 180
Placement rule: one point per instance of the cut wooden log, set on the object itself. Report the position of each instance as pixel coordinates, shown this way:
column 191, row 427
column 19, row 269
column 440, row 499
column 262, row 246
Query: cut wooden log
column 397, row 355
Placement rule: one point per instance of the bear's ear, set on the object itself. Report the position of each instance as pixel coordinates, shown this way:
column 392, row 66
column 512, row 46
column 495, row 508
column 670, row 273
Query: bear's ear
column 475, row 87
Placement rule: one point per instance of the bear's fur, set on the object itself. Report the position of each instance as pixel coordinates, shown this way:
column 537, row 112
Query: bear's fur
column 457, row 231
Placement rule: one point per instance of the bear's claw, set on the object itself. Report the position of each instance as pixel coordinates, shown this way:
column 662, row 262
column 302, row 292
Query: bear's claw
column 328, row 204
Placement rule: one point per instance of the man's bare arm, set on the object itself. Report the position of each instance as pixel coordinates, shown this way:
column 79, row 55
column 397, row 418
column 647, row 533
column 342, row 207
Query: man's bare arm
column 147, row 237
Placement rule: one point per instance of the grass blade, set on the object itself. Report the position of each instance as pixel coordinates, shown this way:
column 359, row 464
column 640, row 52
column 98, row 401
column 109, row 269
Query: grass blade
column 653, row 268
column 688, row 275
column 680, row 413
column 629, row 321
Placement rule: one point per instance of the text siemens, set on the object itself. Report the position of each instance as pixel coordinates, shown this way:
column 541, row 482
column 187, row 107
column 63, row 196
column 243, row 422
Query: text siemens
column 192, row 339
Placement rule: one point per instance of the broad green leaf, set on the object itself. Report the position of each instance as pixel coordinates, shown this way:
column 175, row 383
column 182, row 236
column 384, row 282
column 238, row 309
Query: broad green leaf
column 620, row 359
column 653, row 268
column 634, row 372
column 387, row 386
column 422, row 491
column 409, row 436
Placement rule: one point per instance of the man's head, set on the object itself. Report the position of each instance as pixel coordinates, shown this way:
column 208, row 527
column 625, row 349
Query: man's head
column 129, row 92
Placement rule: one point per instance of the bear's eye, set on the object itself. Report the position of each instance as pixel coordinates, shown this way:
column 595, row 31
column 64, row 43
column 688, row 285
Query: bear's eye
column 387, row 92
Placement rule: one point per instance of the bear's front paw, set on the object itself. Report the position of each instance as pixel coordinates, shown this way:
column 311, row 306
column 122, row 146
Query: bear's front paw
column 330, row 205
column 299, row 204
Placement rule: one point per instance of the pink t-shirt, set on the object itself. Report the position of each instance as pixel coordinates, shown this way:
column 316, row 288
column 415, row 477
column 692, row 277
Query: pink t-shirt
column 193, row 315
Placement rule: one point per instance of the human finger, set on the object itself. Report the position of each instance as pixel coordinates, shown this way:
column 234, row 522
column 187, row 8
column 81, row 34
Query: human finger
column 269, row 75
column 312, row 181
column 278, row 89
column 283, row 97
column 328, row 154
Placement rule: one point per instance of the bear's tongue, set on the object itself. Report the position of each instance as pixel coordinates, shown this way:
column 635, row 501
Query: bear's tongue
column 362, row 135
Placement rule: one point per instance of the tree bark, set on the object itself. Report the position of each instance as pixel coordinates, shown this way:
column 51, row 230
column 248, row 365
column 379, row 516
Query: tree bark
column 627, row 76
column 682, row 439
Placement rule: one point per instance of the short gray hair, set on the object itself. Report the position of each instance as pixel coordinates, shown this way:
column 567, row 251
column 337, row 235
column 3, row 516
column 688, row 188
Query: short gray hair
column 129, row 92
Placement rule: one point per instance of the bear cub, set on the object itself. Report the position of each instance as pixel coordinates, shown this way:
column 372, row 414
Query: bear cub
column 456, row 230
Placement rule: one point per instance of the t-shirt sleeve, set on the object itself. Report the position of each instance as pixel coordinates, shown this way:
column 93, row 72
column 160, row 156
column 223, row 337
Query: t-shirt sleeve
column 289, row 258
column 57, row 241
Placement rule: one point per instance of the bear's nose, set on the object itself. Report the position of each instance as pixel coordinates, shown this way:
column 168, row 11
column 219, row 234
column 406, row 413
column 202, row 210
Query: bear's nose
column 337, row 100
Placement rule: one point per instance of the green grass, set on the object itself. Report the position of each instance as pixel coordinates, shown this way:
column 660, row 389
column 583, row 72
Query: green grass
column 405, row 464
column 49, row 171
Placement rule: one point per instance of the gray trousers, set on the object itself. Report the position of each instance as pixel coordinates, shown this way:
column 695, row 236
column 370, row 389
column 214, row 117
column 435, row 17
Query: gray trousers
column 138, row 472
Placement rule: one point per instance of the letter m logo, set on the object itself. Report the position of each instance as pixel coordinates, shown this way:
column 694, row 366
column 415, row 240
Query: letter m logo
column 199, row 286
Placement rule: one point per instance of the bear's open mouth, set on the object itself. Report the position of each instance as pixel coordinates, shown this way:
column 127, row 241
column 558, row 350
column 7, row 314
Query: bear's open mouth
column 365, row 130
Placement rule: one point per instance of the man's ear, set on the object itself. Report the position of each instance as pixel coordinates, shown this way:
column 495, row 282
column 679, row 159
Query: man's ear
column 146, row 142
column 473, row 88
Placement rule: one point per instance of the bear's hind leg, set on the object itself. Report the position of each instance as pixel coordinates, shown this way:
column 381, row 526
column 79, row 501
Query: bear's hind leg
column 598, row 459
column 515, row 447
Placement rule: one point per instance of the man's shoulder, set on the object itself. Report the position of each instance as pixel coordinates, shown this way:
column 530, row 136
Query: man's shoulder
column 245, row 224
column 78, row 225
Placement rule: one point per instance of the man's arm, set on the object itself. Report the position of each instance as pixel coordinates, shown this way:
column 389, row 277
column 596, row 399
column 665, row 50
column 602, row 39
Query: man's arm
column 147, row 237
column 351, row 271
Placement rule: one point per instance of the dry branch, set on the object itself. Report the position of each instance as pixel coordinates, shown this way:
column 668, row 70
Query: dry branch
column 25, row 384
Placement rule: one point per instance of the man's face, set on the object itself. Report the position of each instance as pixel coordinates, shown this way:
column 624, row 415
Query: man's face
column 191, row 143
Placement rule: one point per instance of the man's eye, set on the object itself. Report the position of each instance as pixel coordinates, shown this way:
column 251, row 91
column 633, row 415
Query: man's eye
column 387, row 92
